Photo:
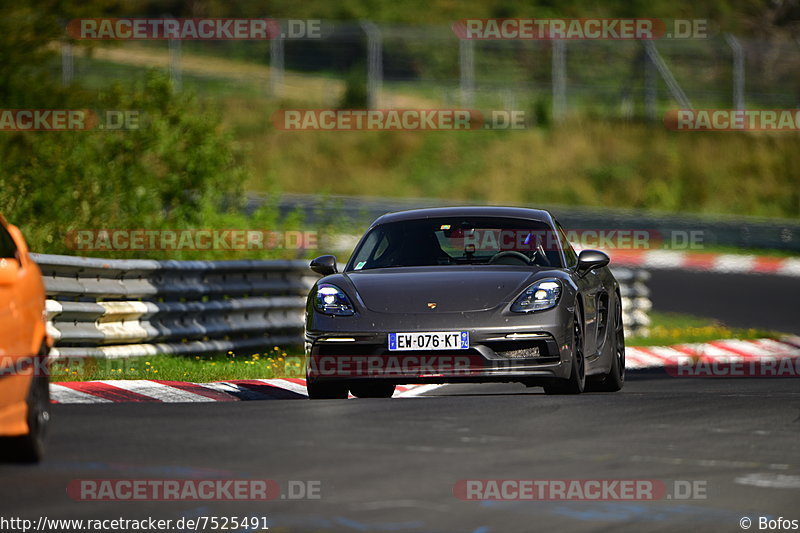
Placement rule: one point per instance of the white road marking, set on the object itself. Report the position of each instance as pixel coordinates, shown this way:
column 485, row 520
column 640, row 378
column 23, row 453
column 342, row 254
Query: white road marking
column 416, row 391
column 770, row 480
column 646, row 360
column 159, row 391
column 62, row 394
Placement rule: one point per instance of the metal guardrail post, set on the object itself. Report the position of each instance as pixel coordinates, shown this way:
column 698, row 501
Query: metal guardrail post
column 67, row 63
column 276, row 63
column 466, row 63
column 650, row 89
column 175, row 63
column 559, row 74
column 374, row 64
column 738, row 71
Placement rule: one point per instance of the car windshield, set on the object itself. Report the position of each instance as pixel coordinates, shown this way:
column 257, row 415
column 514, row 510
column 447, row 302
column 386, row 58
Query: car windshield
column 458, row 241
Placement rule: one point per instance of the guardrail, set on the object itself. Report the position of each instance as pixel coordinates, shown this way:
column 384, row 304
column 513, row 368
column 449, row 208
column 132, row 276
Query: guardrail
column 720, row 230
column 130, row 308
column 636, row 303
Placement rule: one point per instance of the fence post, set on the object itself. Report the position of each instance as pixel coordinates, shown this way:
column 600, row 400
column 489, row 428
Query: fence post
column 276, row 65
column 67, row 63
column 559, row 80
column 466, row 62
column 650, row 95
column 738, row 71
column 669, row 79
column 374, row 63
column 175, row 63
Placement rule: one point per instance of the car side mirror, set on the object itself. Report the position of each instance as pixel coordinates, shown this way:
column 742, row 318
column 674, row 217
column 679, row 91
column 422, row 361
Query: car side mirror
column 324, row 264
column 590, row 260
column 9, row 270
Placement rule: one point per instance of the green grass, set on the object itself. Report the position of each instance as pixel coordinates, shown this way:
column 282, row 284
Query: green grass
column 198, row 369
column 674, row 328
column 666, row 329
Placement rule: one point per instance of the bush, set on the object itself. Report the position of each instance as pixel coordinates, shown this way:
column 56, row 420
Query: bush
column 168, row 173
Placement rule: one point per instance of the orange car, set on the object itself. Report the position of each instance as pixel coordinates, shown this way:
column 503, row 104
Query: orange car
column 24, row 391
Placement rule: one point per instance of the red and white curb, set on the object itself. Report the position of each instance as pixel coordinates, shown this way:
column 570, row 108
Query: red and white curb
column 722, row 351
column 116, row 391
column 636, row 358
column 708, row 262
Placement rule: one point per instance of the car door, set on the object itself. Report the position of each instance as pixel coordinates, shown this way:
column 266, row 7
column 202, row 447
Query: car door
column 22, row 327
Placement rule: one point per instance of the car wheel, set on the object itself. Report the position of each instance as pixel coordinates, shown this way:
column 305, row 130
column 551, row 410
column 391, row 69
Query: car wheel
column 326, row 390
column 576, row 381
column 372, row 390
column 615, row 378
column 30, row 448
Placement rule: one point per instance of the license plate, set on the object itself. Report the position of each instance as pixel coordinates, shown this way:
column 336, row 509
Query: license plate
column 435, row 340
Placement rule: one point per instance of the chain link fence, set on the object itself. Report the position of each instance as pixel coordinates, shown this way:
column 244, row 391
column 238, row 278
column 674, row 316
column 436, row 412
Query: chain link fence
column 413, row 67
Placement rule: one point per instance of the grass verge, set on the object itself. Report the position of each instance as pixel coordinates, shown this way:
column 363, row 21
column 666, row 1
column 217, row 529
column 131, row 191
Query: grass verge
column 197, row 369
column 675, row 328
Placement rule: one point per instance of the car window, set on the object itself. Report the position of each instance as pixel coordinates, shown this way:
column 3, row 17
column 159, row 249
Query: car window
column 569, row 251
column 457, row 241
column 8, row 247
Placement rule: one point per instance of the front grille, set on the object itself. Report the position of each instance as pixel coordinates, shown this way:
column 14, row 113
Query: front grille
column 519, row 349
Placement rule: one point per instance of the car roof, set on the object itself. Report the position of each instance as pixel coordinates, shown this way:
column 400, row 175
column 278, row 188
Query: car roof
column 467, row 211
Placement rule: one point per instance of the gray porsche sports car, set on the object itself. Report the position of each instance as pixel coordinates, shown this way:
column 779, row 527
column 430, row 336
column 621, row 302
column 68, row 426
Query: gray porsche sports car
column 464, row 294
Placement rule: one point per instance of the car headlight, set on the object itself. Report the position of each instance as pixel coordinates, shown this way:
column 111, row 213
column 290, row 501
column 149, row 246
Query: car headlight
column 332, row 300
column 541, row 295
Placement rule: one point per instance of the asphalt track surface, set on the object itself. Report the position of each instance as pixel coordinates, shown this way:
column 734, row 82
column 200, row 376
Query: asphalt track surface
column 739, row 300
column 391, row 465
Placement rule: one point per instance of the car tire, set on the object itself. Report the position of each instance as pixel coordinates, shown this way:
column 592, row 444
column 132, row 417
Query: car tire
column 372, row 390
column 576, row 382
column 30, row 448
column 326, row 390
column 615, row 378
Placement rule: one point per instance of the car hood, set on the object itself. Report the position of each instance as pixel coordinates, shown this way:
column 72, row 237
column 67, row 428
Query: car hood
column 452, row 289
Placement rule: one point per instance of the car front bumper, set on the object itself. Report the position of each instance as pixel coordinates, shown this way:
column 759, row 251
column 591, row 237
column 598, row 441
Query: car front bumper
column 508, row 353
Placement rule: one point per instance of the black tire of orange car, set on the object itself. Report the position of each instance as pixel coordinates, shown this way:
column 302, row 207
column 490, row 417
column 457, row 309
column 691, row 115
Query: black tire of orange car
column 615, row 378
column 372, row 390
column 576, row 382
column 326, row 390
column 30, row 448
